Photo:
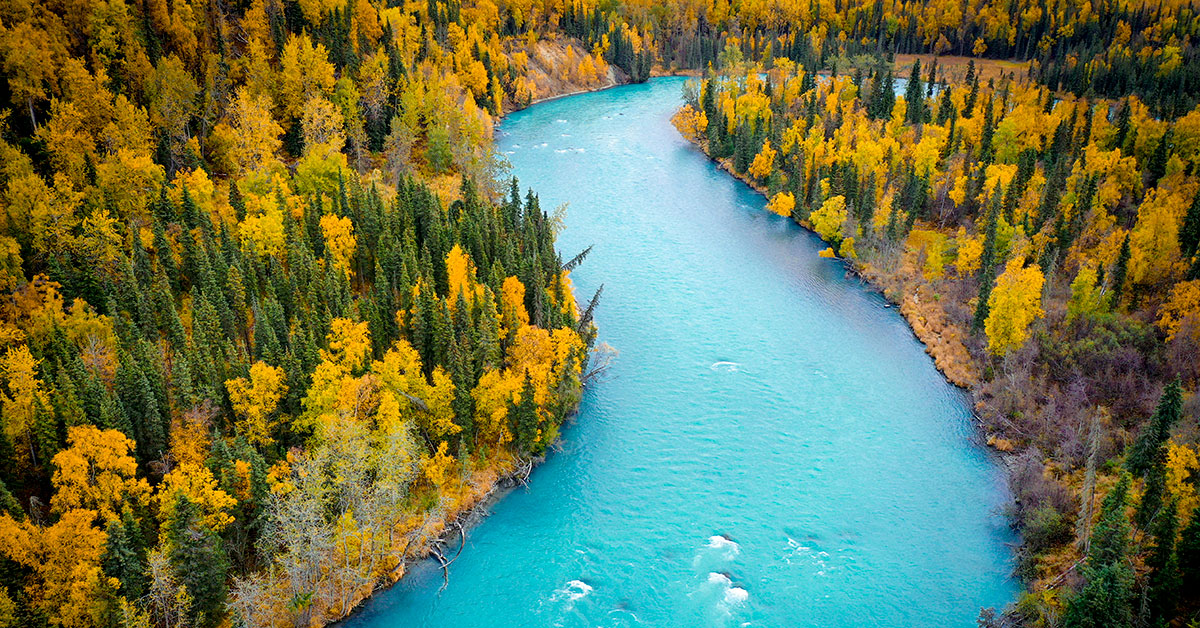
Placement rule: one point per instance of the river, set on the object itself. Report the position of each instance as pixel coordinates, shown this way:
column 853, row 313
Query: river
column 771, row 446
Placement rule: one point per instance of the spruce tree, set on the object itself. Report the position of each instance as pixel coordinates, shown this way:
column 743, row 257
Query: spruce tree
column 9, row 504
column 125, row 554
column 1153, row 492
column 1188, row 555
column 945, row 108
column 986, row 151
column 488, row 353
column 968, row 110
column 525, row 418
column 887, row 97
column 1158, row 160
column 913, row 96
column 1189, row 234
column 1165, row 578
column 1118, row 275
column 987, row 267
column 1147, row 449
column 198, row 556
column 1106, row 600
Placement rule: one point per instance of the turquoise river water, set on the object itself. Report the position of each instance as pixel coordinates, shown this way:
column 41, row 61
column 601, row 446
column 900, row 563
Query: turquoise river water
column 771, row 446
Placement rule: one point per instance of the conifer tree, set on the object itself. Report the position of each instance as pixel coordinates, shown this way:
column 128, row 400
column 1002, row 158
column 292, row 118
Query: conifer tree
column 1188, row 555
column 987, row 266
column 125, row 554
column 968, row 110
column 1165, row 579
column 913, row 96
column 525, row 418
column 1106, row 600
column 1147, row 450
column 1158, row 160
column 1119, row 273
column 1189, row 234
column 198, row 556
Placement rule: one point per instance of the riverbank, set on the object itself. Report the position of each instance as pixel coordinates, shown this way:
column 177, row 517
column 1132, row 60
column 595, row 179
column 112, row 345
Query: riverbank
column 484, row 489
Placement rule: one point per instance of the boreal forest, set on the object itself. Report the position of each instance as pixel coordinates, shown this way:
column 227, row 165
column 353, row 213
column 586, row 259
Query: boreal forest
column 276, row 317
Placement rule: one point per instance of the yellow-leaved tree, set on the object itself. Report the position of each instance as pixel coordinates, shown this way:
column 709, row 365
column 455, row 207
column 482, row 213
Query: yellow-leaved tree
column 460, row 274
column 1183, row 465
column 428, row 406
column 25, row 400
column 828, row 218
column 1085, row 296
column 1014, row 304
column 255, row 399
column 512, row 305
column 96, row 472
column 763, row 162
column 691, row 123
column 255, row 134
column 1183, row 305
column 782, row 203
column 349, row 344
column 65, row 561
column 339, row 241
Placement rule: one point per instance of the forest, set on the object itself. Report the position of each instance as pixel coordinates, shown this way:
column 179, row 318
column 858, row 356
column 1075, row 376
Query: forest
column 275, row 317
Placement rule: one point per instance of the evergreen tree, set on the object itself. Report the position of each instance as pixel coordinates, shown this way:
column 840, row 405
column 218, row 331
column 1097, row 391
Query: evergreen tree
column 1147, row 449
column 1119, row 272
column 945, row 108
column 125, row 555
column 1165, row 579
column 488, row 353
column 1106, row 600
column 968, row 110
column 986, row 151
column 1188, row 555
column 1158, row 160
column 987, row 267
column 1153, row 492
column 883, row 97
column 525, row 419
column 1189, row 234
column 914, row 100
column 198, row 556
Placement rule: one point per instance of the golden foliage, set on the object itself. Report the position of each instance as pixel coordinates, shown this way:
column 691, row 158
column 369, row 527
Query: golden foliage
column 691, row 123
column 255, row 399
column 96, row 472
column 339, row 241
column 349, row 344
column 460, row 273
column 969, row 251
column 1183, row 468
column 25, row 400
column 783, row 203
column 437, row 468
column 512, row 304
column 255, row 134
column 828, row 218
column 1014, row 304
column 763, row 162
column 1183, row 304
column 65, row 560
